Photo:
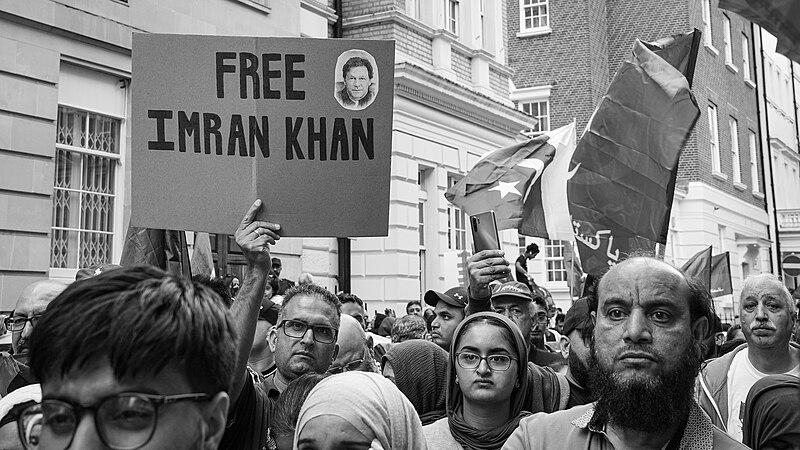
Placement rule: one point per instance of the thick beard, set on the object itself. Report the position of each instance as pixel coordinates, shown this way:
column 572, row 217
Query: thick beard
column 645, row 404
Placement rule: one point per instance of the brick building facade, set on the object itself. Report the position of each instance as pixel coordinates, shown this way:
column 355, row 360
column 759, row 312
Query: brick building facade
column 571, row 50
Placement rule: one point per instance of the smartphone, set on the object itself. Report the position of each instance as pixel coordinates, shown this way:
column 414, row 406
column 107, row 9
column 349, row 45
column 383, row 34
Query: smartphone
column 484, row 231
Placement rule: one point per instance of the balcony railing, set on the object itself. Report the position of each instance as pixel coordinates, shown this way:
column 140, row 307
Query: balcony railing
column 789, row 220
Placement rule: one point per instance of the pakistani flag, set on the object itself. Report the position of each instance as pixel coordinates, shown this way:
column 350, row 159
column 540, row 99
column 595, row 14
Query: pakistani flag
column 525, row 184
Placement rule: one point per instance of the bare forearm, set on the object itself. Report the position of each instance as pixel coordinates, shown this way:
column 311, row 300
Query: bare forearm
column 245, row 315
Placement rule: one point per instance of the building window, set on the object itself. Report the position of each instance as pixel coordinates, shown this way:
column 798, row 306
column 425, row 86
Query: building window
column 746, row 57
column 84, row 188
column 707, row 23
column 554, row 259
column 713, row 130
column 755, row 185
column 533, row 15
column 451, row 16
column 422, row 182
column 456, row 223
column 736, row 163
column 726, row 38
column 541, row 111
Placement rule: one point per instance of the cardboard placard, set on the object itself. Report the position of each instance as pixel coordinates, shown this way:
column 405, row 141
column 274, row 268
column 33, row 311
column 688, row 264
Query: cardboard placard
column 218, row 121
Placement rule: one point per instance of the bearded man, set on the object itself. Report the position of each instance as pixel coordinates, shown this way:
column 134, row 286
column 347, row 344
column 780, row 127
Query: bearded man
column 649, row 322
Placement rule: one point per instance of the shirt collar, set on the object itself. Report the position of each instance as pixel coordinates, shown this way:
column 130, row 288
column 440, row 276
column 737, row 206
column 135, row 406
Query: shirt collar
column 697, row 435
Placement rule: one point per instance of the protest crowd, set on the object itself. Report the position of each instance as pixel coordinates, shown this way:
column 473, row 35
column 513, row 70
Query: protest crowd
column 134, row 357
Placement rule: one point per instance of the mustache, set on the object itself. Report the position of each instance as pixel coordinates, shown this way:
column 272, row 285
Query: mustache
column 639, row 350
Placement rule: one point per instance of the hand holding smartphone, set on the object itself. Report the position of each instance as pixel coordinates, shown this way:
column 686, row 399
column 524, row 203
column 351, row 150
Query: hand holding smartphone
column 484, row 231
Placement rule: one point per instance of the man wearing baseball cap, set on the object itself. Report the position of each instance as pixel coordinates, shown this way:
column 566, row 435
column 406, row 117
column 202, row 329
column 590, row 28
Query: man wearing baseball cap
column 283, row 284
column 449, row 309
column 575, row 338
column 529, row 313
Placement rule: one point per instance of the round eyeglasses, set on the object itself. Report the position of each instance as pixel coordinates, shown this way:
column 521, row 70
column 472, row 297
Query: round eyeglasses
column 123, row 421
column 297, row 329
column 469, row 360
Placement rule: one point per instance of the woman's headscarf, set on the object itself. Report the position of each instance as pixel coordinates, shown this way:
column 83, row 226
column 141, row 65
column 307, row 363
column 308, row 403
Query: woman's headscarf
column 370, row 403
column 468, row 436
column 420, row 371
column 772, row 413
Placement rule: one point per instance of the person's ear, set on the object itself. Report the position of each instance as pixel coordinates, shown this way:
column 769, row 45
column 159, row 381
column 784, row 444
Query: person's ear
column 215, row 415
column 700, row 328
column 272, row 339
column 335, row 352
column 563, row 345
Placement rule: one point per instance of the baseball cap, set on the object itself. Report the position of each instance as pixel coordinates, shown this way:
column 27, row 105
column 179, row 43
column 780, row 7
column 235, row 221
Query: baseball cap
column 455, row 296
column 513, row 289
column 89, row 272
column 576, row 316
column 276, row 262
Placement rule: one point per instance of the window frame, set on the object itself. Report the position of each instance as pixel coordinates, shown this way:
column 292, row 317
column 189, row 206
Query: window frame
column 707, row 25
column 456, row 237
column 543, row 120
column 452, row 13
column 754, row 181
column 114, row 219
column 713, row 125
column 746, row 58
column 533, row 31
column 550, row 248
column 736, row 163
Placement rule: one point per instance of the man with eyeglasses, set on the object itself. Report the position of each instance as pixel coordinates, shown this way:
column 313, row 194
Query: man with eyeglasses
column 30, row 306
column 354, row 352
column 304, row 340
column 133, row 358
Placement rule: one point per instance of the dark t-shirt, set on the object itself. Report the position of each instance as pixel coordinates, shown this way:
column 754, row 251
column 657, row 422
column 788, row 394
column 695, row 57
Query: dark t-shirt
column 522, row 277
column 249, row 421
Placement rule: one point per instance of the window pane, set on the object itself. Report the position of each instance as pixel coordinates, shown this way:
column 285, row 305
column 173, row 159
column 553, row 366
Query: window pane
column 83, row 189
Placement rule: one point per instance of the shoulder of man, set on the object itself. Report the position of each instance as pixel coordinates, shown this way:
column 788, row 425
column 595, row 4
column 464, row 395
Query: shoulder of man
column 715, row 371
column 545, row 431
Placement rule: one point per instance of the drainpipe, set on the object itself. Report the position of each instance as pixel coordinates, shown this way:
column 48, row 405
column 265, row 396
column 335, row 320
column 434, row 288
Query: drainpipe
column 342, row 243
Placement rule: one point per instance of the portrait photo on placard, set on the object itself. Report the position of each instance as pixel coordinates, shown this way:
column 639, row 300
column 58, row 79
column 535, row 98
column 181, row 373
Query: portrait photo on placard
column 356, row 79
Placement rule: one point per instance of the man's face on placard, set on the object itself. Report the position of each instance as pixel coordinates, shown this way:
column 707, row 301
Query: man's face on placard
column 357, row 82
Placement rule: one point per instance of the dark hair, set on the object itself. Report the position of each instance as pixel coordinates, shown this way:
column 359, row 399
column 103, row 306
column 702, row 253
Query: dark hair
column 141, row 319
column 490, row 321
column 345, row 297
column 732, row 331
column 413, row 302
column 560, row 316
column 217, row 285
column 700, row 302
column 533, row 248
column 287, row 408
column 356, row 61
column 311, row 290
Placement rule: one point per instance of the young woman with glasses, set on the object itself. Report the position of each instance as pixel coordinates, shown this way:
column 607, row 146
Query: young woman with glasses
column 487, row 385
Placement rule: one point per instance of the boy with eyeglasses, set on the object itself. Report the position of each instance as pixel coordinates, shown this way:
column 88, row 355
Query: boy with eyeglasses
column 133, row 358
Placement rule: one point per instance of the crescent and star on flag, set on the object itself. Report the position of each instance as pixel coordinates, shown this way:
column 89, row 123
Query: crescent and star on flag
column 508, row 188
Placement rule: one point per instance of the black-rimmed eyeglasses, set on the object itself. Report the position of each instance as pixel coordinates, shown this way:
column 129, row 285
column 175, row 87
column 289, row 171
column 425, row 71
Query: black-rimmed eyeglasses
column 123, row 421
column 297, row 329
column 18, row 323
column 469, row 360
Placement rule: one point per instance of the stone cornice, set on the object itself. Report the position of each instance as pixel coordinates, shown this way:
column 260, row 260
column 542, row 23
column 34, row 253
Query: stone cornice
column 418, row 84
